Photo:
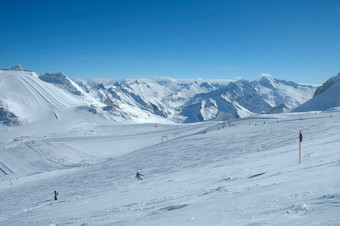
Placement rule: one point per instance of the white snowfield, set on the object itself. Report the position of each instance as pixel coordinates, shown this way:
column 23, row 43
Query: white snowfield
column 328, row 99
column 27, row 97
column 24, row 94
column 242, row 173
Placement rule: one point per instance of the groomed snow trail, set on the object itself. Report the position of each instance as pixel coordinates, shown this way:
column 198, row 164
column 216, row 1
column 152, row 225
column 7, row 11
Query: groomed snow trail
column 246, row 174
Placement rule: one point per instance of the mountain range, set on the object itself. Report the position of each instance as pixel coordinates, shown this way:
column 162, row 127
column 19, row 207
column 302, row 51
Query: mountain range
column 26, row 96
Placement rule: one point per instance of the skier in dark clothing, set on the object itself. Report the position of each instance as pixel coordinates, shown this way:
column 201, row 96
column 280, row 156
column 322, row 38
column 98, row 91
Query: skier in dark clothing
column 56, row 195
column 139, row 176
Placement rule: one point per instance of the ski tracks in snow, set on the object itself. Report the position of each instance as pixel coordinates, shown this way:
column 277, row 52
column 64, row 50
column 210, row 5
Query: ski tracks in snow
column 29, row 87
column 4, row 170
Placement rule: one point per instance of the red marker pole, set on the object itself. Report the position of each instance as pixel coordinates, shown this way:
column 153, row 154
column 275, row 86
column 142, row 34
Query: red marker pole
column 300, row 140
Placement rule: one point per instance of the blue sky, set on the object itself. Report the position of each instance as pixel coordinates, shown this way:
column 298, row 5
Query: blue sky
column 293, row 40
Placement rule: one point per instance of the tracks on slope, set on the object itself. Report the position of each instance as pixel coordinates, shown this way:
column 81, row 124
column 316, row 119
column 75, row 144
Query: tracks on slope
column 5, row 170
column 22, row 80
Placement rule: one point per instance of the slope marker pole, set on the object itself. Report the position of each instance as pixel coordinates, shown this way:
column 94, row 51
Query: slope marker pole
column 300, row 140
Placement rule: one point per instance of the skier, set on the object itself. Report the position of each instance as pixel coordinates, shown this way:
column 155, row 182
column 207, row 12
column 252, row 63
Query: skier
column 56, row 195
column 139, row 176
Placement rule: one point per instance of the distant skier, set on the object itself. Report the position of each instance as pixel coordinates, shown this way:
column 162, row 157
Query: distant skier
column 139, row 176
column 56, row 195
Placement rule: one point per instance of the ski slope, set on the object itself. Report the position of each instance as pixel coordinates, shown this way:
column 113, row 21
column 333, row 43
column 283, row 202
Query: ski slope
column 242, row 173
column 24, row 94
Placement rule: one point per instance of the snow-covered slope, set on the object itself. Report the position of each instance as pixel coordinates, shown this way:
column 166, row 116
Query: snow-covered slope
column 192, row 101
column 329, row 83
column 244, row 98
column 62, row 81
column 27, row 97
column 194, row 174
column 161, row 96
column 325, row 97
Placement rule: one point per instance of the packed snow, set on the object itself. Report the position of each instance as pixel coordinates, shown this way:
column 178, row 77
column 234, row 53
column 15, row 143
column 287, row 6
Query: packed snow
column 241, row 172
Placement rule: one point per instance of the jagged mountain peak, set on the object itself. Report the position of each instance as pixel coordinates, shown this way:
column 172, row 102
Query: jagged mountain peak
column 325, row 97
column 62, row 81
column 58, row 77
column 191, row 101
column 160, row 99
column 17, row 68
column 267, row 81
column 329, row 83
column 206, row 85
column 244, row 98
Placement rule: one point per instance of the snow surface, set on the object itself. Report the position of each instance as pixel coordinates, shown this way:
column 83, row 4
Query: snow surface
column 26, row 97
column 243, row 98
column 329, row 83
column 323, row 99
column 198, row 100
column 208, row 173
column 29, row 98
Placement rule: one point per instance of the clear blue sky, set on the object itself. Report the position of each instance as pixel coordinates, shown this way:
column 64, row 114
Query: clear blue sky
column 293, row 40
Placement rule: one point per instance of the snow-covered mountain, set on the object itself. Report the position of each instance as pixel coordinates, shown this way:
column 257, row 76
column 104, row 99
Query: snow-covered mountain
column 244, row 98
column 164, row 97
column 325, row 97
column 193, row 101
column 207, row 173
column 26, row 97
column 62, row 81
column 328, row 84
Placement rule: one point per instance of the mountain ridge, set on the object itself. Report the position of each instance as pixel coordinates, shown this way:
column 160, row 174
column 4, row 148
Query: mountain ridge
column 325, row 97
column 164, row 100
